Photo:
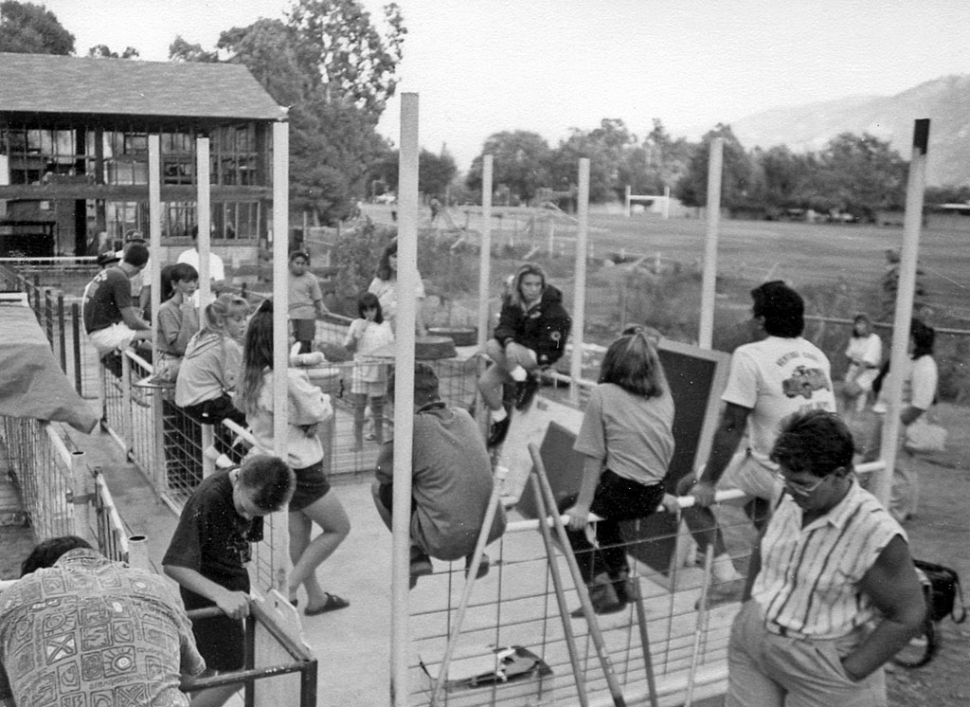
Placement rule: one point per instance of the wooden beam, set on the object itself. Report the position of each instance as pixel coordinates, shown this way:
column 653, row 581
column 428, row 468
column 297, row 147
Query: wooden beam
column 129, row 192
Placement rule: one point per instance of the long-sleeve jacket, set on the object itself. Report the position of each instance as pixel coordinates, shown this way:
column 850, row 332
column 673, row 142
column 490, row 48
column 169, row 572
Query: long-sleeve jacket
column 543, row 327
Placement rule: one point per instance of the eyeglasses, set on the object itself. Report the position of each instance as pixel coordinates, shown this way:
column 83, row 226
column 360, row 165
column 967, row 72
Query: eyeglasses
column 801, row 489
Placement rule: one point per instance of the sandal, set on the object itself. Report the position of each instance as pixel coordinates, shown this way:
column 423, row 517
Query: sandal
column 332, row 603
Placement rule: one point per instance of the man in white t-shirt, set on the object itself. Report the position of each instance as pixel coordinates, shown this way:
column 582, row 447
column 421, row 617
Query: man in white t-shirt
column 217, row 270
column 778, row 374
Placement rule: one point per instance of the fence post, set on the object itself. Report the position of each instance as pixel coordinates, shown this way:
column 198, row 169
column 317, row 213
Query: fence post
column 49, row 317
column 126, row 403
column 76, row 346
column 138, row 553
column 61, row 338
column 208, row 440
column 81, row 485
column 36, row 298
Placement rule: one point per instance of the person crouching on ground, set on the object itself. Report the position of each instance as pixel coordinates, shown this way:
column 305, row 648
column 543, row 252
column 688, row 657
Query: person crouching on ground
column 451, row 480
column 627, row 440
column 832, row 593
column 208, row 553
column 313, row 501
column 531, row 334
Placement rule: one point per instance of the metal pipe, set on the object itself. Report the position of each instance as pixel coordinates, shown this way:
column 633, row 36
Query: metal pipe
column 579, row 294
column 715, row 164
column 203, row 217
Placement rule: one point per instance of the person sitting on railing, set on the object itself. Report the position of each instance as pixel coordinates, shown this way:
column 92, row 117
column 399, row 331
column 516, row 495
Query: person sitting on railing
column 531, row 334
column 210, row 369
column 314, row 501
column 120, row 631
column 178, row 322
column 451, row 480
column 832, row 593
column 110, row 316
column 627, row 440
column 209, row 551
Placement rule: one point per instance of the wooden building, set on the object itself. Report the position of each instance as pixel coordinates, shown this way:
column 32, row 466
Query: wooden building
column 74, row 152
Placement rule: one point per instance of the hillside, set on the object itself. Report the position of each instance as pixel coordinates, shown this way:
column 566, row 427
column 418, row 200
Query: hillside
column 946, row 101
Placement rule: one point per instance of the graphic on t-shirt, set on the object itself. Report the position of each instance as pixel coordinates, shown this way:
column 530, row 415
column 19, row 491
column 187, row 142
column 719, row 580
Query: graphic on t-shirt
column 805, row 381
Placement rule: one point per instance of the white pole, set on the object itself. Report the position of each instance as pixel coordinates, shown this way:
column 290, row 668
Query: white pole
column 281, row 228
column 485, row 257
column 714, row 165
column 666, row 208
column 628, row 201
column 882, row 480
column 203, row 218
column 155, row 235
column 407, row 278
column 579, row 297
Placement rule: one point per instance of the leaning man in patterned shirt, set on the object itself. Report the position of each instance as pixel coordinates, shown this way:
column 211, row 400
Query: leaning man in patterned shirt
column 81, row 630
column 834, row 594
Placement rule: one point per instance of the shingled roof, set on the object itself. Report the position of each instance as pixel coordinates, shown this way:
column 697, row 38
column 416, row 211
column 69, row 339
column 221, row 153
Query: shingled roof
column 41, row 83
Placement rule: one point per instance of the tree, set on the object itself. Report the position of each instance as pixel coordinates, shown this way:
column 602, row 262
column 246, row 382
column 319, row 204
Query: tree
column 520, row 163
column 735, row 178
column 353, row 61
column 181, row 50
column 862, row 174
column 103, row 51
column 32, row 29
column 605, row 147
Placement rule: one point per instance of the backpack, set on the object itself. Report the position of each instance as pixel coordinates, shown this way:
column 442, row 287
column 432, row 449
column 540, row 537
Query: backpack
column 941, row 590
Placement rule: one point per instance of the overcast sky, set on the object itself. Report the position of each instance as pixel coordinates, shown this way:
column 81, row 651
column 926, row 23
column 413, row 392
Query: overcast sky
column 482, row 66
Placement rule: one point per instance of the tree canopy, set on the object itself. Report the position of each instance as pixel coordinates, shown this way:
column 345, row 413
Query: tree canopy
column 32, row 29
column 103, row 51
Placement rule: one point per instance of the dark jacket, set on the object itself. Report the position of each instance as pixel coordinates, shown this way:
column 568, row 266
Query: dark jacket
column 544, row 328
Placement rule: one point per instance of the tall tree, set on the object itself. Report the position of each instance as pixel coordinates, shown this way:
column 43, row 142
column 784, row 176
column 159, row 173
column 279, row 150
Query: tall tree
column 32, row 29
column 736, row 175
column 862, row 174
column 181, row 50
column 520, row 162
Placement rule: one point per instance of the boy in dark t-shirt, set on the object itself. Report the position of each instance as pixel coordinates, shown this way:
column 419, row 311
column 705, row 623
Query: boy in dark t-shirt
column 208, row 553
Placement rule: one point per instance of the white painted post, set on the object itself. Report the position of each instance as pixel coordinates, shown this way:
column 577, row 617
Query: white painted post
column 666, row 207
column 709, row 279
column 485, row 257
column 906, row 288
column 138, row 553
column 155, row 234
column 82, row 489
column 203, row 219
column 579, row 298
column 628, row 201
column 407, row 277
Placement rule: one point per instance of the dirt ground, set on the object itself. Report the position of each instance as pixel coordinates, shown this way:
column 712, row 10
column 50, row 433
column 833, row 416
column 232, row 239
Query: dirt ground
column 941, row 533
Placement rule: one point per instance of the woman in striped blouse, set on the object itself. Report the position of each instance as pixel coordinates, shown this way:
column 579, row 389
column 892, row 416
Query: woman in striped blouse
column 832, row 592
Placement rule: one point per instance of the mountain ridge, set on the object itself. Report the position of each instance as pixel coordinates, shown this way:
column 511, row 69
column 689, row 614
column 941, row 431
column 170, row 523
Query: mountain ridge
column 945, row 101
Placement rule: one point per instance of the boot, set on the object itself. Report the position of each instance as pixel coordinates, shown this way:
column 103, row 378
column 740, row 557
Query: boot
column 603, row 597
column 621, row 585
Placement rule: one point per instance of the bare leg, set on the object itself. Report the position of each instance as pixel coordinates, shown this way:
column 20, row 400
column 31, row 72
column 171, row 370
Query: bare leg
column 329, row 514
column 377, row 409
column 360, row 405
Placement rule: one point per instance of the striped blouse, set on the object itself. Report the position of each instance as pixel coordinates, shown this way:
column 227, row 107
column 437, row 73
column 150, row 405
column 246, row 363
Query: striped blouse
column 808, row 585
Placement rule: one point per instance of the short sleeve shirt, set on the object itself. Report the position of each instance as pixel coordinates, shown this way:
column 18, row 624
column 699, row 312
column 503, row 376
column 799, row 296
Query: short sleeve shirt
column 633, row 435
column 304, row 291
column 775, row 378
column 213, row 539
column 105, row 296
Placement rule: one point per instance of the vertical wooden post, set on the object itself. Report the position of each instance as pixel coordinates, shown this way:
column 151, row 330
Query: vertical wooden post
column 155, row 237
column 407, row 280
column 203, row 218
column 709, row 279
column 485, row 256
column 579, row 296
column 906, row 288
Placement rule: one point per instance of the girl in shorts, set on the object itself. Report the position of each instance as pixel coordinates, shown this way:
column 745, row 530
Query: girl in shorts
column 367, row 334
column 313, row 501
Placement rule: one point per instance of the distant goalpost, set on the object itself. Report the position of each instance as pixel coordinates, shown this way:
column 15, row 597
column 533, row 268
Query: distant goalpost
column 663, row 200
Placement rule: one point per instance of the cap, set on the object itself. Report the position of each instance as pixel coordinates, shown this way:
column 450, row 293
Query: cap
column 108, row 258
column 136, row 236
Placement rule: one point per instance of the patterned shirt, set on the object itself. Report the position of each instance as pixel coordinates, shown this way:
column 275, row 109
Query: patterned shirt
column 89, row 632
column 809, row 579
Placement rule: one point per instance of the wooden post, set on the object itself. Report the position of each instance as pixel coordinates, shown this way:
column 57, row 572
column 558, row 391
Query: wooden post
column 407, row 278
column 579, row 300
column 906, row 288
column 203, row 218
column 155, row 236
column 485, row 256
column 709, row 279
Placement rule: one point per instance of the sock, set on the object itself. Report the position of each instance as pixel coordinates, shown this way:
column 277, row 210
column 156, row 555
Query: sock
column 499, row 415
column 518, row 374
column 723, row 569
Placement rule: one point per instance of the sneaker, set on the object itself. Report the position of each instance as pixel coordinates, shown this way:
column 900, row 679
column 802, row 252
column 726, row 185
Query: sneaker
column 723, row 593
column 603, row 597
column 482, row 566
column 420, row 566
column 498, row 431
column 525, row 391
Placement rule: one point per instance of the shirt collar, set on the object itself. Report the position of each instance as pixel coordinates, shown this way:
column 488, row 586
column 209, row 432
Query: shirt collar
column 81, row 556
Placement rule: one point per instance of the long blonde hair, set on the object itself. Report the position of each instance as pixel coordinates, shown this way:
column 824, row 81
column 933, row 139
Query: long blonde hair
column 257, row 357
column 216, row 313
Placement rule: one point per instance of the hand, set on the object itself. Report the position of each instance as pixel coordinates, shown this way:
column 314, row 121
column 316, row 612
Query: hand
column 670, row 504
column 578, row 517
column 235, row 604
column 703, row 492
